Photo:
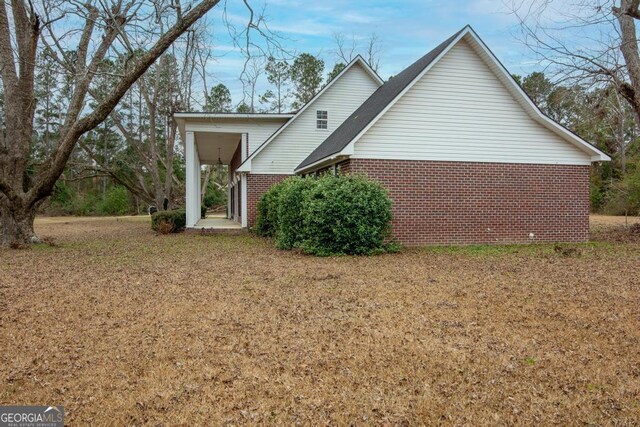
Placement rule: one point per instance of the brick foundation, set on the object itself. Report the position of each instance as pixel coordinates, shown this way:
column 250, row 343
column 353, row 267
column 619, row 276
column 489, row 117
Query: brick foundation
column 466, row 203
column 257, row 185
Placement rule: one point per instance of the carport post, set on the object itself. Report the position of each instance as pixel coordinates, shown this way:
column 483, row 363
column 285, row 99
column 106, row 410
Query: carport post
column 243, row 177
column 192, row 180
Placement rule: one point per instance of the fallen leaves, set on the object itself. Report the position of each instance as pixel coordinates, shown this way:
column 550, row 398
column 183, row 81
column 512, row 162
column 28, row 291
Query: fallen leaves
column 190, row 329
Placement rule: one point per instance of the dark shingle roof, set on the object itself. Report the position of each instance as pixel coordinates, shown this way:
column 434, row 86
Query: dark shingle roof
column 377, row 102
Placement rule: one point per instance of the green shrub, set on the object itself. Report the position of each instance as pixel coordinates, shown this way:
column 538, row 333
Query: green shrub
column 346, row 215
column 290, row 228
column 267, row 209
column 85, row 204
column 115, row 202
column 176, row 219
column 624, row 196
column 327, row 216
column 596, row 198
column 203, row 211
column 62, row 196
column 214, row 197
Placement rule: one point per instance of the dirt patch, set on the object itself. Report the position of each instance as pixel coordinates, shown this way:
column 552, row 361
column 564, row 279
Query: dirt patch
column 615, row 229
column 114, row 321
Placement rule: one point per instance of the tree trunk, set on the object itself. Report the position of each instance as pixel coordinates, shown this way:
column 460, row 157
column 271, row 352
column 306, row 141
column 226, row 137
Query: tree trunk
column 626, row 14
column 21, row 192
column 17, row 225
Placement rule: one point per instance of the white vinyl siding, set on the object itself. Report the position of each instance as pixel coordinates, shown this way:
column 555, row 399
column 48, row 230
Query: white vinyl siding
column 259, row 129
column 301, row 137
column 460, row 111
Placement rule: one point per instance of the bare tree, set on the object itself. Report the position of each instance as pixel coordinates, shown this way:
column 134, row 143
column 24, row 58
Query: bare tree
column 104, row 27
column 373, row 51
column 593, row 44
column 347, row 49
column 252, row 73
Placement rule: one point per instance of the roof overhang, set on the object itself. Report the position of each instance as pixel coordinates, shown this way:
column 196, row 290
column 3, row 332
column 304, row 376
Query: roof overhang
column 181, row 118
column 327, row 161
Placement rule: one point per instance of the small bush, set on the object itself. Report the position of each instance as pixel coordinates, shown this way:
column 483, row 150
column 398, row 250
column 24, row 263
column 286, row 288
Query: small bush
column 63, row 195
column 214, row 197
column 173, row 220
column 165, row 227
column 203, row 211
column 596, row 197
column 327, row 216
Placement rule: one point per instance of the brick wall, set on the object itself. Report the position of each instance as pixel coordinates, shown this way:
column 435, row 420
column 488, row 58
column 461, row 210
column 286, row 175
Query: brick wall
column 465, row 203
column 257, row 185
column 344, row 167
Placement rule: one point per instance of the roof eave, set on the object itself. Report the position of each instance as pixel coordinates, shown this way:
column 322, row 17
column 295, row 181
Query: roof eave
column 329, row 160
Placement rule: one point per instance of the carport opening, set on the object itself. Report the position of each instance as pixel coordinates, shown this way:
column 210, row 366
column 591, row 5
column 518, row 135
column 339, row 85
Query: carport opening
column 219, row 155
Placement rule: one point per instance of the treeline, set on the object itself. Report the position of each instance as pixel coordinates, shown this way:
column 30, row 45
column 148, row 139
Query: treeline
column 135, row 158
column 603, row 118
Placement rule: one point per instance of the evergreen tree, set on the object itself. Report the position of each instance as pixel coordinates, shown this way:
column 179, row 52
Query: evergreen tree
column 219, row 99
column 306, row 74
column 278, row 74
column 243, row 108
column 337, row 69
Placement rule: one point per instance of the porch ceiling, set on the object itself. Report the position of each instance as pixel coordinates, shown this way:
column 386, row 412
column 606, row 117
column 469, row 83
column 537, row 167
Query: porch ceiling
column 209, row 142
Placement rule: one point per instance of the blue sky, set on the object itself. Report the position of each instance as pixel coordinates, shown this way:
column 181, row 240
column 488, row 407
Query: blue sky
column 407, row 29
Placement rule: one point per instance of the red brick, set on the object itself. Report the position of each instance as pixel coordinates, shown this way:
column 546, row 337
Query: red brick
column 466, row 203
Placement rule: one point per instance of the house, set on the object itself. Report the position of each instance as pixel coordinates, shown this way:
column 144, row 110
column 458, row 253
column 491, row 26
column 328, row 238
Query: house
column 464, row 153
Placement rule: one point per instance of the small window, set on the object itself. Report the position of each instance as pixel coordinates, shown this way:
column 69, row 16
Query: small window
column 322, row 119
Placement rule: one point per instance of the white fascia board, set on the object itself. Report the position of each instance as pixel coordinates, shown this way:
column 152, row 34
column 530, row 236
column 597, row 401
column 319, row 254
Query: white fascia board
column 357, row 60
column 322, row 162
column 245, row 166
column 253, row 116
column 374, row 75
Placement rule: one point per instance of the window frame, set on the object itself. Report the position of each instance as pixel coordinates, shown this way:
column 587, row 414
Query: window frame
column 322, row 119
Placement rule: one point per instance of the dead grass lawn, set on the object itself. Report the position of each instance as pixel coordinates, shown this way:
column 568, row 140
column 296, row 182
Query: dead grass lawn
column 124, row 327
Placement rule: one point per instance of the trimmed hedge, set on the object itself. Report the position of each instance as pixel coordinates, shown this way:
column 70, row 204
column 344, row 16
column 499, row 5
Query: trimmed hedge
column 327, row 215
column 176, row 219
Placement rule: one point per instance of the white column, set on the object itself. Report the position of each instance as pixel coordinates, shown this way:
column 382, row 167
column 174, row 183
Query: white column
column 243, row 178
column 244, row 146
column 191, row 193
column 199, row 181
column 243, row 188
column 229, row 194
